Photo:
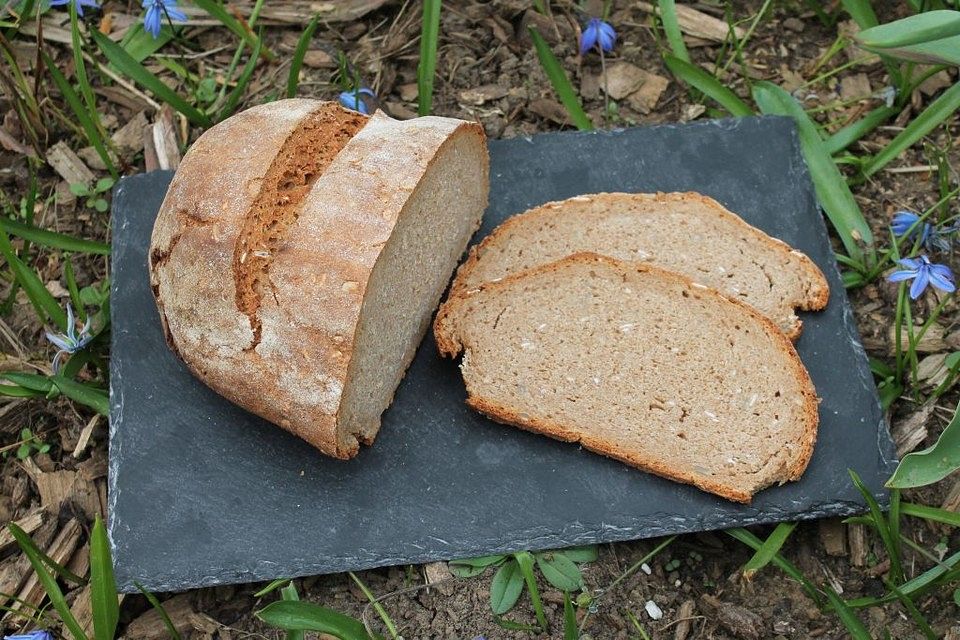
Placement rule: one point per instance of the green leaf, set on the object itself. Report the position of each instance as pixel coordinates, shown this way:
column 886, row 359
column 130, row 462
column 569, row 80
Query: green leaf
column 296, row 63
column 47, row 581
column 921, row 468
column 506, row 587
column 934, row 514
column 306, row 616
column 465, row 571
column 289, row 593
column 525, row 561
column 139, row 74
column 561, row 84
column 44, row 303
column 16, row 391
column 916, row 29
column 482, row 561
column 427, row 67
column 847, row 616
column 956, row 597
column 167, row 622
column 892, row 544
column 392, row 628
column 755, row 543
column 559, row 571
column 217, row 10
column 31, row 381
column 94, row 398
column 570, row 629
column 862, row 12
column 703, row 81
column 769, row 549
column 587, row 553
column 140, row 43
column 936, row 112
column 272, row 586
column 103, row 587
column 831, row 187
column 856, row 130
column 671, row 27
column 52, row 238
column 234, row 98
column 79, row 189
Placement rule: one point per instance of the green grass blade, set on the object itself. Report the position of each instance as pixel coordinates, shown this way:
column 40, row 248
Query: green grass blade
column 892, row 544
column 96, row 399
column 755, row 543
column 16, row 391
column 703, row 81
column 831, row 187
column 525, row 562
column 47, row 581
column 856, row 130
column 934, row 514
column 306, row 616
column 140, row 43
column 58, row 569
column 139, row 74
column 671, row 27
column 90, row 129
column 768, row 549
column 916, row 29
column 561, row 84
column 588, row 553
column 427, row 67
column 73, row 289
column 391, row 627
column 218, row 11
column 506, row 587
column 932, row 464
column 44, row 303
column 52, row 238
column 847, row 616
column 289, row 593
column 158, row 607
column 234, row 98
column 911, row 608
column 103, row 587
column 570, row 630
column 296, row 63
column 30, row 381
column 935, row 113
column 482, row 561
column 279, row 582
column 862, row 12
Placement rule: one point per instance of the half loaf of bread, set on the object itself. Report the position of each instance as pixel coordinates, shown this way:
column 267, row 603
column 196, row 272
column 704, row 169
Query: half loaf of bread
column 687, row 233
column 639, row 364
column 300, row 252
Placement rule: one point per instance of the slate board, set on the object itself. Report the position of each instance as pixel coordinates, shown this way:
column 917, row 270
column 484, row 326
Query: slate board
column 203, row 493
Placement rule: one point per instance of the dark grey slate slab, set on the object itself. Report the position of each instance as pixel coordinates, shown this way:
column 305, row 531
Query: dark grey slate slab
column 202, row 493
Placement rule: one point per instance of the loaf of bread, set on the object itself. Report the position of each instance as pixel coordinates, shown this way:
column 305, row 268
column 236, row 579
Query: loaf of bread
column 300, row 252
column 639, row 364
column 687, row 233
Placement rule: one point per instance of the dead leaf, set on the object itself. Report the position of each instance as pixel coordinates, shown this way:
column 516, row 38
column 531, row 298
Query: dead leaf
column 479, row 95
column 623, row 79
column 646, row 97
column 854, row 87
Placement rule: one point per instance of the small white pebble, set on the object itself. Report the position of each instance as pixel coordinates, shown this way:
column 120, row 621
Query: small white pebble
column 526, row 345
column 628, row 327
column 677, row 583
column 580, row 199
column 542, row 327
column 698, row 285
column 721, row 270
column 653, row 610
column 646, row 568
column 711, row 415
column 570, row 379
column 596, row 381
column 585, row 319
column 642, row 255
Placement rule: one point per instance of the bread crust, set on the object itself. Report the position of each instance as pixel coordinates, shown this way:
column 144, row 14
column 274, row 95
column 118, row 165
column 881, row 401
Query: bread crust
column 819, row 287
column 449, row 344
column 295, row 374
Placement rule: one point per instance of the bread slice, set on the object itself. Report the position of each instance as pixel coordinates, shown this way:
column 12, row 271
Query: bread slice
column 683, row 232
column 301, row 250
column 639, row 364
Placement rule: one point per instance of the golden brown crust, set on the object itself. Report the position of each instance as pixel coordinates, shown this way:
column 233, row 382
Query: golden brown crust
column 818, row 294
column 448, row 343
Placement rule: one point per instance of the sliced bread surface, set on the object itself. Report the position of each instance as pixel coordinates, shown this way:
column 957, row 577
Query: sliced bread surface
column 683, row 232
column 641, row 365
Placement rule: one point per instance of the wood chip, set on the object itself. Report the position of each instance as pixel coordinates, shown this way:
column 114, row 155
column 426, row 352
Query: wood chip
column 29, row 523
column 550, row 110
column 855, row 87
column 684, row 620
column 68, row 165
column 479, row 95
column 10, row 143
column 931, row 342
column 952, row 501
column 319, row 59
column 833, row 536
column 295, row 12
column 438, row 573
column 910, row 432
column 58, row 487
column 82, row 610
column 698, row 24
column 85, row 435
column 15, row 570
column 165, row 140
column 857, row 541
column 646, row 97
column 62, row 547
column 934, row 83
column 150, row 626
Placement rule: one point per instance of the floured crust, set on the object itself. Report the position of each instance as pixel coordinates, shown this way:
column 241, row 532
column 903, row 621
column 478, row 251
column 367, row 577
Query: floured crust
column 292, row 374
column 815, row 299
column 449, row 343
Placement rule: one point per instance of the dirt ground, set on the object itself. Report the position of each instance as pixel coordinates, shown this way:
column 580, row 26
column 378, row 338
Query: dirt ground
column 488, row 72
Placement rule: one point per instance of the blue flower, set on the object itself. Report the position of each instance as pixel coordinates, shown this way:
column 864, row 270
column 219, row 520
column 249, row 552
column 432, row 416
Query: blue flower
column 37, row 634
column 80, row 5
column 597, row 32
column 930, row 236
column 923, row 273
column 156, row 9
column 71, row 342
column 353, row 99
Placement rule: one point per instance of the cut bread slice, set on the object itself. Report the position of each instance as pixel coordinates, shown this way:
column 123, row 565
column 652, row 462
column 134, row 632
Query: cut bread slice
column 687, row 233
column 639, row 364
